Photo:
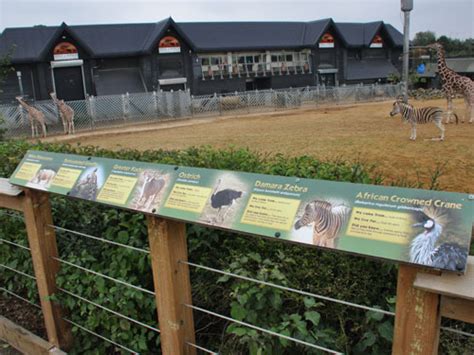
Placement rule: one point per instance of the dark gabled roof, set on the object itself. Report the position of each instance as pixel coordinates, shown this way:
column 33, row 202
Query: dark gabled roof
column 114, row 40
column 358, row 34
column 212, row 36
column 33, row 40
column 118, row 40
column 394, row 34
column 155, row 32
column 63, row 28
column 314, row 30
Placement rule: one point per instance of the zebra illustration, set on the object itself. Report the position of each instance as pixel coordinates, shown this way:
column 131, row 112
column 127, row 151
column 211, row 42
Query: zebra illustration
column 328, row 221
column 421, row 115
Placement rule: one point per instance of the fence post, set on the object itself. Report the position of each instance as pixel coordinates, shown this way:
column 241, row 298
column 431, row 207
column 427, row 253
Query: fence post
column 218, row 100
column 92, row 111
column 155, row 103
column 42, row 241
column 22, row 114
column 125, row 106
column 417, row 317
column 172, row 284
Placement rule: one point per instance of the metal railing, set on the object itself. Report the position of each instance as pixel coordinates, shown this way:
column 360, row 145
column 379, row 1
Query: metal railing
column 62, row 232
column 117, row 110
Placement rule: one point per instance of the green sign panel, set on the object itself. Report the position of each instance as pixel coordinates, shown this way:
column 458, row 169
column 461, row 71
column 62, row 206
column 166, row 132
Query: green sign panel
column 422, row 227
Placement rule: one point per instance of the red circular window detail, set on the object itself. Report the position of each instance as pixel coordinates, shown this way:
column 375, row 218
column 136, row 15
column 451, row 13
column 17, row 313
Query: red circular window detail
column 65, row 48
column 168, row 42
column 377, row 39
column 327, row 38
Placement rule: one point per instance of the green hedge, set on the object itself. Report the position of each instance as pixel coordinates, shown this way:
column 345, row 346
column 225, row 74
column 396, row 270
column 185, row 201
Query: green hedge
column 334, row 274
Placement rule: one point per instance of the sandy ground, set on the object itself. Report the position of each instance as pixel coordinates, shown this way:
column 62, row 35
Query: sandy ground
column 359, row 132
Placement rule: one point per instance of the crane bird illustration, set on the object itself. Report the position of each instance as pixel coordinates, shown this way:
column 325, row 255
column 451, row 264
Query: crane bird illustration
column 328, row 220
column 223, row 199
column 427, row 247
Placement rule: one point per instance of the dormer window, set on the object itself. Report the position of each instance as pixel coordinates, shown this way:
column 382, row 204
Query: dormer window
column 65, row 51
column 169, row 44
column 377, row 42
column 327, row 41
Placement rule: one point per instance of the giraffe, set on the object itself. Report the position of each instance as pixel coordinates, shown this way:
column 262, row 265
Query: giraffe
column 35, row 116
column 454, row 83
column 66, row 112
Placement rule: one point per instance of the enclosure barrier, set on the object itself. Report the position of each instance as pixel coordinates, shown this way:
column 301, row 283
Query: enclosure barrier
column 97, row 112
column 417, row 316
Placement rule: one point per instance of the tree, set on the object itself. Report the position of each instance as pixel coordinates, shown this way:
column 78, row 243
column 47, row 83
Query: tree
column 424, row 38
column 5, row 68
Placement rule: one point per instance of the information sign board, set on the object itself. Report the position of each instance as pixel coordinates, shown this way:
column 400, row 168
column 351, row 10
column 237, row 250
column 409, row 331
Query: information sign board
column 429, row 228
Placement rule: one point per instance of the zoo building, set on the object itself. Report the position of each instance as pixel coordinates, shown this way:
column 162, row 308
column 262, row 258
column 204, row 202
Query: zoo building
column 204, row 57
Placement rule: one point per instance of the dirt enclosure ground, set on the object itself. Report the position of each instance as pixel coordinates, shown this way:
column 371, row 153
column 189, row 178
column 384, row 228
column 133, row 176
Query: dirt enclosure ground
column 359, row 132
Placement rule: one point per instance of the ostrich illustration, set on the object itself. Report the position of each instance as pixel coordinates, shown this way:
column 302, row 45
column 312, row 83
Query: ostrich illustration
column 425, row 249
column 223, row 198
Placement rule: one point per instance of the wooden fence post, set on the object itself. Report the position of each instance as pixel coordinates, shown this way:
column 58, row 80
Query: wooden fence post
column 417, row 317
column 172, row 285
column 42, row 241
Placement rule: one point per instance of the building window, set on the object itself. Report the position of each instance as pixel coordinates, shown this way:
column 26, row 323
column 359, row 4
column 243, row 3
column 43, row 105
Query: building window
column 230, row 65
column 375, row 53
column 327, row 57
column 170, row 68
column 353, row 54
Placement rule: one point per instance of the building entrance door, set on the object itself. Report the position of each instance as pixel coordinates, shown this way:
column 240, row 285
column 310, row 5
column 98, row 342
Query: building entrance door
column 327, row 79
column 69, row 83
column 262, row 83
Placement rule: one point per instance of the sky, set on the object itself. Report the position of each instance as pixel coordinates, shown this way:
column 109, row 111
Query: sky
column 454, row 18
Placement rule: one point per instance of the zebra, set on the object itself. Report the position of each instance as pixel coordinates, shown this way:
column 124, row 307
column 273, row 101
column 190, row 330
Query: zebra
column 421, row 115
column 328, row 221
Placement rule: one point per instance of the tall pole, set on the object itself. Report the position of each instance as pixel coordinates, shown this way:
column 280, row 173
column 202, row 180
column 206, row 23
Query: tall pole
column 20, row 84
column 407, row 6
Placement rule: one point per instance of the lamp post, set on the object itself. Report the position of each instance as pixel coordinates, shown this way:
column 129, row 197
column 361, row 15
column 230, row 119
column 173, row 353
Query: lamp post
column 20, row 84
column 406, row 6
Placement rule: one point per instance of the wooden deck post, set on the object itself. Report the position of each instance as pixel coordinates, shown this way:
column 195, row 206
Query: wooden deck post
column 42, row 241
column 417, row 317
column 172, row 285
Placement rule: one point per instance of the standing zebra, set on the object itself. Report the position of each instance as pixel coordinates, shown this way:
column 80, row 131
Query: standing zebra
column 419, row 116
column 328, row 221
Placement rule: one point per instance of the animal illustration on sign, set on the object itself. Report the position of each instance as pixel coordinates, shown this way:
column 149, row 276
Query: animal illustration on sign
column 416, row 116
column 426, row 249
column 87, row 187
column 223, row 199
column 328, row 220
column 153, row 183
column 44, row 177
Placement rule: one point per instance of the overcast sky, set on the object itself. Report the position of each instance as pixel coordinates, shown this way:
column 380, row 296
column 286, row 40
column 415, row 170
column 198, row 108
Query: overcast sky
column 454, row 18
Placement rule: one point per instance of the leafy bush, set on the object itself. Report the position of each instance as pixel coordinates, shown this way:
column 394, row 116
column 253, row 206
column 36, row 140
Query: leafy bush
column 333, row 274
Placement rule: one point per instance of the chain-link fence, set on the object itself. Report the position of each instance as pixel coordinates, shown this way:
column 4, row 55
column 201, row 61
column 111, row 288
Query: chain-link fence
column 116, row 110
